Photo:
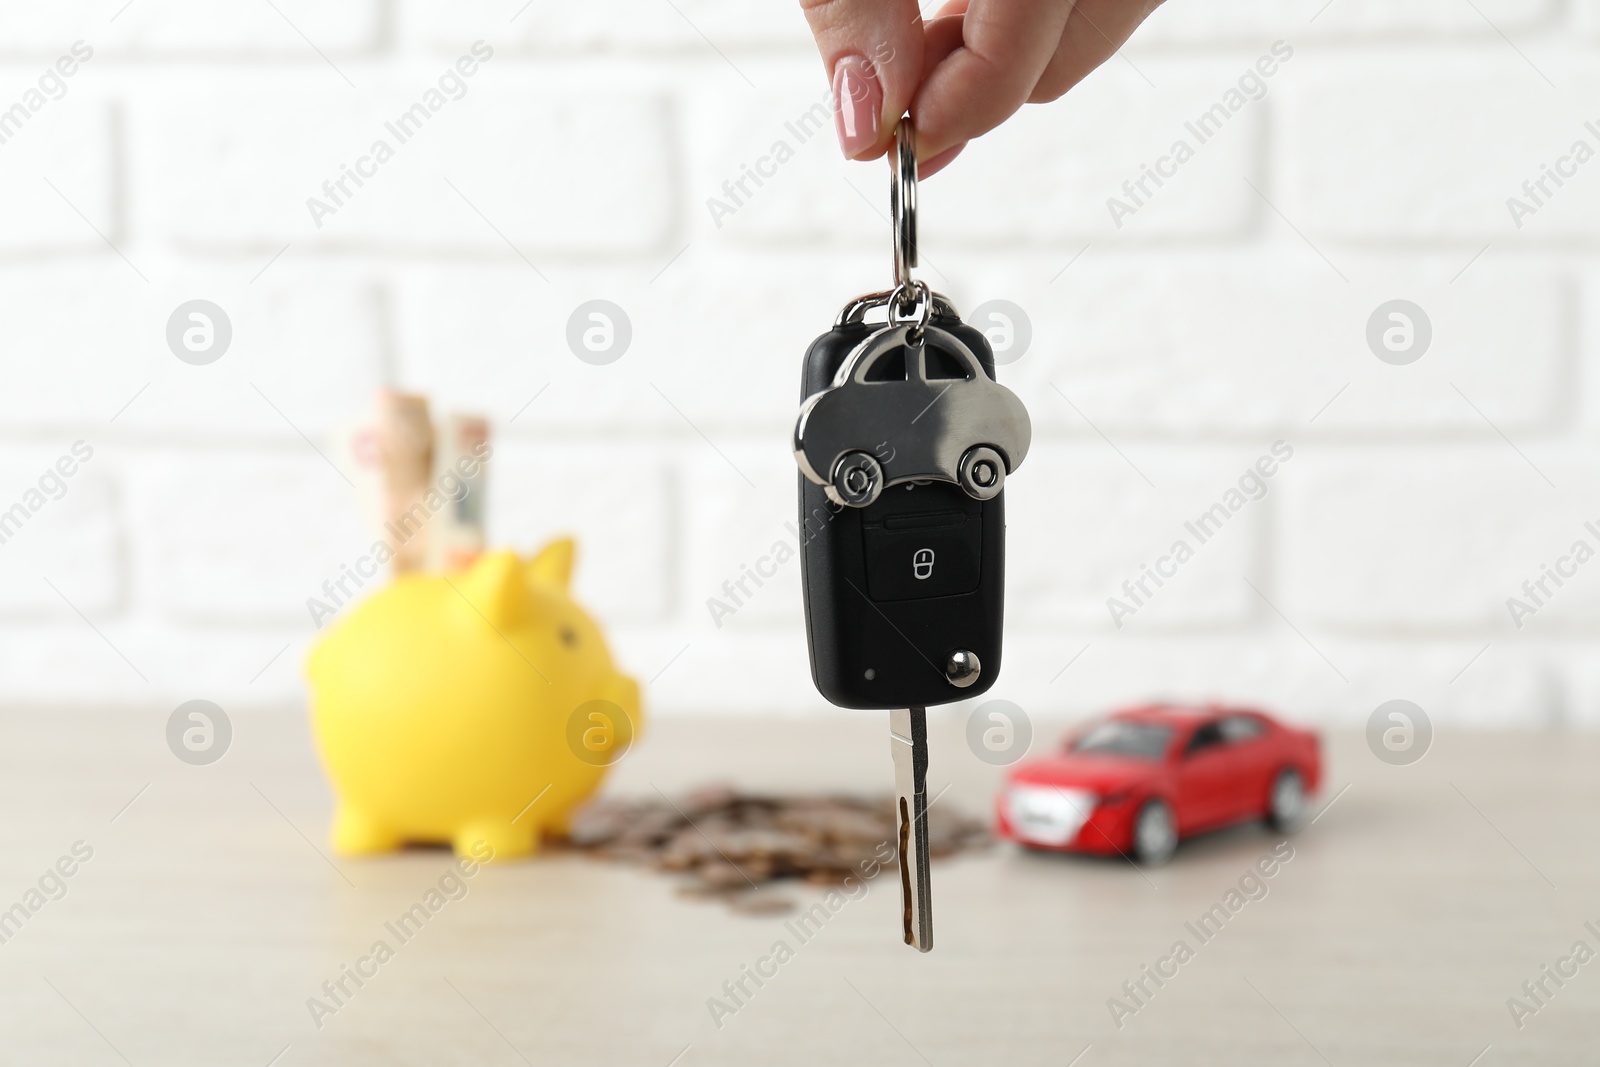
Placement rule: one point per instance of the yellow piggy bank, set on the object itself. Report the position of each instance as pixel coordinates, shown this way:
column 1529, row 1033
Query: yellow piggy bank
column 480, row 706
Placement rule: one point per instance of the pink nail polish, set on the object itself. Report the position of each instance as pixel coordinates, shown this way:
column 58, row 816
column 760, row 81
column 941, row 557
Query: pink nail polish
column 857, row 104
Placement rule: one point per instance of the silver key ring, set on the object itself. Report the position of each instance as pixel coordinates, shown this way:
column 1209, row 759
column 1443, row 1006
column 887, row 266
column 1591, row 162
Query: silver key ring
column 911, row 305
column 903, row 204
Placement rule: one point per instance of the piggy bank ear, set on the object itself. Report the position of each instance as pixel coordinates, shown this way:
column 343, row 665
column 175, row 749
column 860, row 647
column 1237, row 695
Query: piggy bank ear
column 494, row 589
column 553, row 565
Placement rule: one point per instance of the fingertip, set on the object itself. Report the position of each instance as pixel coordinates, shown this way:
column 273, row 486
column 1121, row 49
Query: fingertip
column 934, row 164
column 1005, row 46
column 872, row 51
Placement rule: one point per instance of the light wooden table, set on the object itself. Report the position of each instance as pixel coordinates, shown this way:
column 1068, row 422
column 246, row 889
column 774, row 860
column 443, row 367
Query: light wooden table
column 210, row 912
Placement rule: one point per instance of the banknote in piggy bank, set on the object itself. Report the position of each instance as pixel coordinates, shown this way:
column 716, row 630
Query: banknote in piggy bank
column 473, row 707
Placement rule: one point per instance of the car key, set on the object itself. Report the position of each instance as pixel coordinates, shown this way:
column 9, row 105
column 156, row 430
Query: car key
column 904, row 441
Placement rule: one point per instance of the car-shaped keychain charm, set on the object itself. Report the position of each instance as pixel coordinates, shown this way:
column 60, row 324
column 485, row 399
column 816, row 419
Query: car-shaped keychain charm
column 961, row 427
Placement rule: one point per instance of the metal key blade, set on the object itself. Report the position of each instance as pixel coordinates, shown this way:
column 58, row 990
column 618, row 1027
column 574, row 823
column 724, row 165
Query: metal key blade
column 908, row 743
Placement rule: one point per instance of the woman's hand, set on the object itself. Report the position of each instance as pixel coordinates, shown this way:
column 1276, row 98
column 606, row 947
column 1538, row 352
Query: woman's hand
column 961, row 73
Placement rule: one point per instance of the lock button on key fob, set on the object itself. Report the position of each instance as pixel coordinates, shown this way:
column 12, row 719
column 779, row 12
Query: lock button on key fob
column 922, row 555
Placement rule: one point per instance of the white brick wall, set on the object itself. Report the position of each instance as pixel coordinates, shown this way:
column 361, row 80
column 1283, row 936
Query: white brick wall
column 175, row 27
column 58, row 164
column 1228, row 312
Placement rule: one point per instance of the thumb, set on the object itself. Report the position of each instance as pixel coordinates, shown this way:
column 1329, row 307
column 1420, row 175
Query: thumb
column 872, row 50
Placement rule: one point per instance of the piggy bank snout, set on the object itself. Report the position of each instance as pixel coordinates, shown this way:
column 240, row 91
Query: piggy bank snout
column 621, row 693
column 624, row 693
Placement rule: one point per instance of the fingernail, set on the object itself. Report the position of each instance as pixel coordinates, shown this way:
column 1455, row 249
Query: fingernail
column 857, row 105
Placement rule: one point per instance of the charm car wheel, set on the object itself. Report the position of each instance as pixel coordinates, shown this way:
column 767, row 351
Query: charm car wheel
column 1155, row 833
column 857, row 479
column 1287, row 805
column 982, row 473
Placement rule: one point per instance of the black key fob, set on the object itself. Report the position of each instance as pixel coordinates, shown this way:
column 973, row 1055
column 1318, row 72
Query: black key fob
column 904, row 441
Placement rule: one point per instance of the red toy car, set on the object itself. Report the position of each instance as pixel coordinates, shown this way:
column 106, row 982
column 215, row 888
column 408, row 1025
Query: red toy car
column 1136, row 782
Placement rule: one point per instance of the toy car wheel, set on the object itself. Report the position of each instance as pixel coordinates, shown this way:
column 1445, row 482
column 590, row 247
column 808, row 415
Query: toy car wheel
column 981, row 472
column 857, row 479
column 1287, row 804
column 1155, row 833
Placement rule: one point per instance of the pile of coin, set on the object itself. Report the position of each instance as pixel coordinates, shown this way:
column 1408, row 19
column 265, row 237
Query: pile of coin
column 732, row 845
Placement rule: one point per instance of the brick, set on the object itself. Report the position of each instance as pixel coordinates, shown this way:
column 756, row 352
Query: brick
column 1582, row 708
column 71, row 367
column 1436, row 539
column 494, row 340
column 1046, row 176
column 261, row 666
column 1352, row 173
column 564, row 182
column 1270, row 667
column 1020, row 185
column 1250, row 21
column 1242, row 345
column 305, row 358
column 64, row 662
column 616, row 499
column 743, row 672
column 71, row 537
column 172, row 26
column 240, row 537
column 697, row 28
column 780, row 142
column 1588, row 393
column 744, row 320
column 733, row 528
column 305, row 341
column 1459, row 683
column 720, row 333
column 65, row 144
column 1081, row 521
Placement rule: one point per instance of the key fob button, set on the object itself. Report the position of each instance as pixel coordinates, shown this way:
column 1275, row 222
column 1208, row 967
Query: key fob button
column 942, row 558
